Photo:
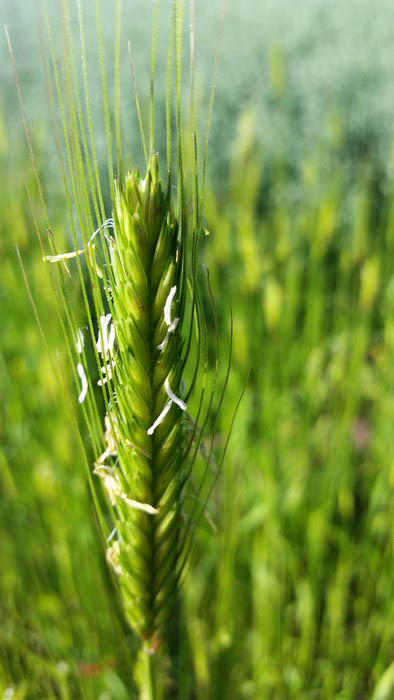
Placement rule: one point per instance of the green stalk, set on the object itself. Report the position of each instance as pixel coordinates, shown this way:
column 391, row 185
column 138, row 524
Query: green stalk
column 151, row 676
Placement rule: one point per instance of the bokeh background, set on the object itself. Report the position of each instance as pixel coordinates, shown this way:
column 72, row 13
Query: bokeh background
column 292, row 597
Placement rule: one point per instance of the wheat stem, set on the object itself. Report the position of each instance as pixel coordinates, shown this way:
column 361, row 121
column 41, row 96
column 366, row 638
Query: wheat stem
column 150, row 674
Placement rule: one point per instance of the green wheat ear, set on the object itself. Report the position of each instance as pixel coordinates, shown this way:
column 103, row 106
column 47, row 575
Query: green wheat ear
column 141, row 288
column 147, row 439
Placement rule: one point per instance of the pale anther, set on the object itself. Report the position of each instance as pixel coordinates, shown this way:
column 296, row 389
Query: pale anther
column 84, row 382
column 107, row 374
column 62, row 256
column 167, row 306
column 171, row 325
column 173, row 396
column 169, row 330
column 107, row 453
column 111, row 481
column 80, row 341
column 108, row 223
column 139, row 506
column 105, row 342
column 113, row 555
column 160, row 418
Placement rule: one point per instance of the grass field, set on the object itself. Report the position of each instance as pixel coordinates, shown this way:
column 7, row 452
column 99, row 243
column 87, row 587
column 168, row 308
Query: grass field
column 290, row 589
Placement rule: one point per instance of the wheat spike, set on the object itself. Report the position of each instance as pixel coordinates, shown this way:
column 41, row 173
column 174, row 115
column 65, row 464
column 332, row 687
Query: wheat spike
column 146, row 414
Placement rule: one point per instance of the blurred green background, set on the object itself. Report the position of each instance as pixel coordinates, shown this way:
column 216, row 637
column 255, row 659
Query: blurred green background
column 292, row 598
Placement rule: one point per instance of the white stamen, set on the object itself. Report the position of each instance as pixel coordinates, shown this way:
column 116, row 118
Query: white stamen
column 114, row 489
column 139, row 506
column 107, row 374
column 170, row 329
column 111, row 434
column 84, row 382
column 102, row 469
column 167, row 306
column 111, row 481
column 112, row 556
column 162, row 345
column 107, row 453
column 108, row 223
column 160, row 418
column 171, row 325
column 111, row 338
column 173, row 397
column 104, row 343
column 112, row 484
column 62, row 256
column 80, row 341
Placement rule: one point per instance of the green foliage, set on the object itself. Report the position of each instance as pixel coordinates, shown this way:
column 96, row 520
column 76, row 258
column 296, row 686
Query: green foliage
column 289, row 593
column 52, row 641
column 311, row 555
